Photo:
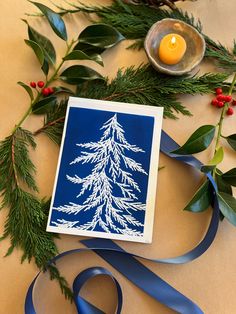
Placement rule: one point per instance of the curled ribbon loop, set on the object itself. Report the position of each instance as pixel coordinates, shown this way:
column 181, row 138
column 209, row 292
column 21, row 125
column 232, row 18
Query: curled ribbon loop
column 126, row 263
column 84, row 306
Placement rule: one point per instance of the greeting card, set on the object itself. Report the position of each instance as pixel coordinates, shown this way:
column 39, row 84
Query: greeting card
column 106, row 178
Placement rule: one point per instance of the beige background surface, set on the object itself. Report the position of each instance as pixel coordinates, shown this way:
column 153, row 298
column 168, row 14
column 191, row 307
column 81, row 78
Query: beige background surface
column 210, row 281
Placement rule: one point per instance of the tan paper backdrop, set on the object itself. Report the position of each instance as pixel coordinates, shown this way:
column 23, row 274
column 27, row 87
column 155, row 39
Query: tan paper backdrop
column 210, row 281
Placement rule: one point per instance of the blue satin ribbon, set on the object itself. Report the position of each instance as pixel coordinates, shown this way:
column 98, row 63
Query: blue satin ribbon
column 127, row 264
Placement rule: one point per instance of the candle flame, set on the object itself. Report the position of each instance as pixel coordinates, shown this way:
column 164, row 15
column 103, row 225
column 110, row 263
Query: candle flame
column 173, row 40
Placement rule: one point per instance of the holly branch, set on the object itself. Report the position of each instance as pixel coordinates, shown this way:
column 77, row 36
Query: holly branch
column 199, row 141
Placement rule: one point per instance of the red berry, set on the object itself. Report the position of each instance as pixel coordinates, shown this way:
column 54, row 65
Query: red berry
column 230, row 111
column 33, row 84
column 45, row 92
column 220, row 104
column 50, row 90
column 221, row 97
column 214, row 102
column 228, row 98
column 40, row 84
column 218, row 91
column 234, row 102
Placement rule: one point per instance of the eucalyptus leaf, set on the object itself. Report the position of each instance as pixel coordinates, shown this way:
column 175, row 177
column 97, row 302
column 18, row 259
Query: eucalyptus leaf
column 198, row 141
column 28, row 89
column 80, row 55
column 218, row 157
column 227, row 204
column 37, row 50
column 54, row 19
column 46, row 45
column 100, row 35
column 230, row 177
column 231, row 139
column 78, row 74
column 42, row 106
column 221, row 184
column 201, row 199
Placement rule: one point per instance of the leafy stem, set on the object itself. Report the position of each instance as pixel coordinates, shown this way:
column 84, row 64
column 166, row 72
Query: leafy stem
column 39, row 94
column 220, row 123
column 54, row 75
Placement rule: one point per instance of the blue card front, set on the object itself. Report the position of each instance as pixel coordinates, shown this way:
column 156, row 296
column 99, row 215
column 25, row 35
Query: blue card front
column 103, row 175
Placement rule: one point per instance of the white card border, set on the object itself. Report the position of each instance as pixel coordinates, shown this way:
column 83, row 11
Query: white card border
column 157, row 113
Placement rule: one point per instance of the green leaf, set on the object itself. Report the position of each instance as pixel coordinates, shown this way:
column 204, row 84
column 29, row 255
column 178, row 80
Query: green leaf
column 28, row 89
column 37, row 50
column 230, row 177
column 227, row 204
column 201, row 199
column 41, row 106
column 77, row 74
column 45, row 67
column 231, row 139
column 46, row 45
column 198, row 141
column 54, row 20
column 88, row 49
column 218, row 157
column 80, row 55
column 100, row 35
column 221, row 184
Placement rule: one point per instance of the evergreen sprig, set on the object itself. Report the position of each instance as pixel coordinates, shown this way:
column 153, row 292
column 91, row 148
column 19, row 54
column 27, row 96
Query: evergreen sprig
column 135, row 21
column 131, row 20
column 27, row 217
column 224, row 58
column 142, row 85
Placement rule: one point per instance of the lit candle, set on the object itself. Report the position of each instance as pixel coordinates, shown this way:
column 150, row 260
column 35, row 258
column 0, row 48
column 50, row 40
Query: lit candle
column 172, row 49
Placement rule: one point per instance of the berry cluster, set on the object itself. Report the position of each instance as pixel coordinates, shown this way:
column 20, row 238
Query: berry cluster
column 47, row 91
column 221, row 100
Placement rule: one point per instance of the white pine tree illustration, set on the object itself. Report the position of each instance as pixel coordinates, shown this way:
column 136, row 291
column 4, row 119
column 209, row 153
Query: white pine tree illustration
column 109, row 188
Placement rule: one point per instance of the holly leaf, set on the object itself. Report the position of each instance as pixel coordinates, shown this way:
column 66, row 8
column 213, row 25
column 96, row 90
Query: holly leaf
column 37, row 50
column 42, row 106
column 80, row 55
column 201, row 199
column 221, row 184
column 78, row 74
column 230, row 177
column 55, row 20
column 46, row 45
column 100, row 35
column 88, row 49
column 231, row 139
column 27, row 88
column 218, row 157
column 198, row 141
column 227, row 204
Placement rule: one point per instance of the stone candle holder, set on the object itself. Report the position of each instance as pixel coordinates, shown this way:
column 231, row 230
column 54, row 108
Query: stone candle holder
column 194, row 40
